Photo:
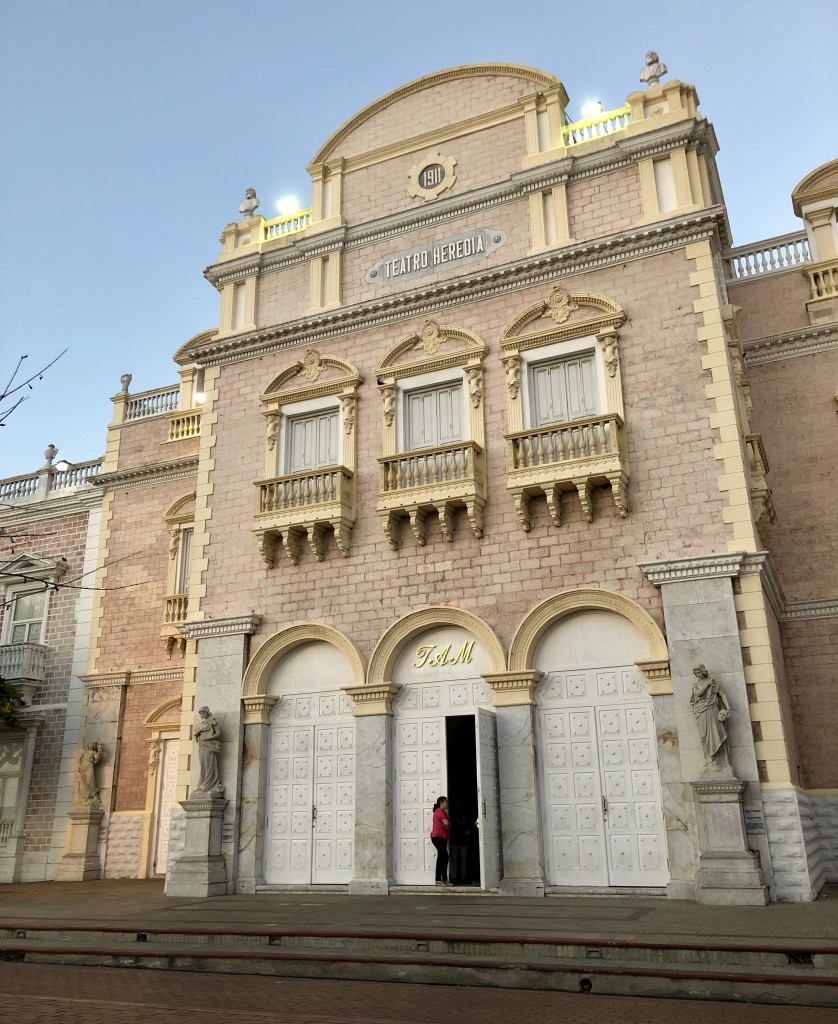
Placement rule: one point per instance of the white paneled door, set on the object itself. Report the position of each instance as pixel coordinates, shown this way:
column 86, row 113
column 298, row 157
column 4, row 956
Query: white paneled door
column 166, row 794
column 488, row 799
column 603, row 814
column 311, row 798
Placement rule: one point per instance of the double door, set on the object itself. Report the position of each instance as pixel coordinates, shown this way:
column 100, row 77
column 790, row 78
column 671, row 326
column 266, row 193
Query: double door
column 422, row 776
column 311, row 800
column 603, row 814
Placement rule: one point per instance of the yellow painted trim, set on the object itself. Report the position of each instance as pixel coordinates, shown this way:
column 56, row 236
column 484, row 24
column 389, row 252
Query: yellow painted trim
column 557, row 607
column 389, row 647
column 257, row 676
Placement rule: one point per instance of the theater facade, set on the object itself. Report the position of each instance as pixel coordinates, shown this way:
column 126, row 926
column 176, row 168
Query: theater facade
column 469, row 479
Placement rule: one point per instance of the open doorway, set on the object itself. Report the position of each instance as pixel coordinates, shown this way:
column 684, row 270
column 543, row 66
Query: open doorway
column 463, row 797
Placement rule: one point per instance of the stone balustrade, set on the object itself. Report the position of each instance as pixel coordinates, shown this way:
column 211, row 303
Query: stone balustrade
column 823, row 280
column 303, row 490
column 447, row 464
column 183, row 425
column 606, row 123
column 784, row 252
column 76, row 475
column 152, row 403
column 24, row 666
column 176, row 608
column 290, row 224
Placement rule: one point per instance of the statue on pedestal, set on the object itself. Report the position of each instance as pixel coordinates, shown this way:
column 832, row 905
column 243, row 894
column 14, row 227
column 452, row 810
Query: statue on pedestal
column 208, row 737
column 711, row 710
column 88, row 759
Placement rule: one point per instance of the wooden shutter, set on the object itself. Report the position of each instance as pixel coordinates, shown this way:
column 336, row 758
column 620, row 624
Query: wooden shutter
column 434, row 416
column 563, row 390
column 312, row 441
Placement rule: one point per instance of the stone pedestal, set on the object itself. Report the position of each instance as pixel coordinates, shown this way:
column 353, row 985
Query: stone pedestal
column 729, row 873
column 201, row 869
column 81, row 861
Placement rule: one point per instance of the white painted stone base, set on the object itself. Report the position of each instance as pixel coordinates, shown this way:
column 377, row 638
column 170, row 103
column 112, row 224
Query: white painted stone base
column 795, row 846
column 177, row 841
column 122, row 859
column 369, row 887
column 522, row 887
column 825, row 813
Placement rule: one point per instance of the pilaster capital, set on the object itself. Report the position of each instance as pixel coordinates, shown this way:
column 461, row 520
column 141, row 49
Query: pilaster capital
column 257, row 710
column 372, row 700
column 659, row 676
column 514, row 689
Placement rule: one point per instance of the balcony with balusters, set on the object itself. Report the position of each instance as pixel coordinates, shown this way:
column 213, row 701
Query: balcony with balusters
column 24, row 667
column 442, row 479
column 304, row 505
column 574, row 456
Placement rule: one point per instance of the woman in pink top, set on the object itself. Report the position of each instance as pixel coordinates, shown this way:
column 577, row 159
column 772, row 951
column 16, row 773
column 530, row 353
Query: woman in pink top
column 439, row 837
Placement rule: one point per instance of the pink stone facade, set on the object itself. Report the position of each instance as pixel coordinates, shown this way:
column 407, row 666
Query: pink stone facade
column 666, row 574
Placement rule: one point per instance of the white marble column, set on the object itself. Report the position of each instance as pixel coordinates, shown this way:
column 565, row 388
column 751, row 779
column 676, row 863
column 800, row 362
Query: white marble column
column 523, row 860
column 373, row 869
column 254, row 783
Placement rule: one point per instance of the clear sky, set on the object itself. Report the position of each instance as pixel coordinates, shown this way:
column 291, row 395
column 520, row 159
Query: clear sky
column 131, row 129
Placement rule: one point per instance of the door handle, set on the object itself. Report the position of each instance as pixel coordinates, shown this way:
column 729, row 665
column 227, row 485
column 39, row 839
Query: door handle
column 604, row 808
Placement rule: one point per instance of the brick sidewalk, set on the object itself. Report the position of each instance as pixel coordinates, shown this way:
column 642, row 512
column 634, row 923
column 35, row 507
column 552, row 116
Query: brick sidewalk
column 34, row 994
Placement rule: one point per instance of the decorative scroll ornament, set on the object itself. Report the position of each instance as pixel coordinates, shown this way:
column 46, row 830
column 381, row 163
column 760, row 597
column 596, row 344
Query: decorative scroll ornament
column 174, row 541
column 512, row 368
column 560, row 305
column 388, row 397
column 611, row 357
column 153, row 757
column 312, row 366
column 431, row 338
column 273, row 430
column 348, row 404
column 475, row 385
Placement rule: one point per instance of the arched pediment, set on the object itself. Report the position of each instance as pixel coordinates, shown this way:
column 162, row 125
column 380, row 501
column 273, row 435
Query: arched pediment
column 532, row 80
column 568, row 602
column 389, row 647
column 313, row 371
column 822, row 183
column 182, row 511
column 184, row 353
column 565, row 314
column 258, row 673
column 432, row 346
column 166, row 716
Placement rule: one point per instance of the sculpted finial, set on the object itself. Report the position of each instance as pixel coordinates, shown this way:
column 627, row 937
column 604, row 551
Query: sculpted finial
column 249, row 206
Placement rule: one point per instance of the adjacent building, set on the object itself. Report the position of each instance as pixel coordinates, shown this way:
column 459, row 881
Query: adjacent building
column 468, row 480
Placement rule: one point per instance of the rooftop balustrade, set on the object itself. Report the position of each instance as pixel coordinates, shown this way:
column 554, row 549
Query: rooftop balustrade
column 784, row 252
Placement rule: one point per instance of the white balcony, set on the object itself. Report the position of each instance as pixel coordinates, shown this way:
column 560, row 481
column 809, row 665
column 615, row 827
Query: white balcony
column 24, row 666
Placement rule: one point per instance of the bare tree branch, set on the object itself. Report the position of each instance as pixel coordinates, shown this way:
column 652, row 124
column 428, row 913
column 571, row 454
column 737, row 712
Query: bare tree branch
column 8, row 390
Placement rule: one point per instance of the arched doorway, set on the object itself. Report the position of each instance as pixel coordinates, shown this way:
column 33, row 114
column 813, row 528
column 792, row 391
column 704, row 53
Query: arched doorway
column 444, row 740
column 309, row 789
column 601, row 800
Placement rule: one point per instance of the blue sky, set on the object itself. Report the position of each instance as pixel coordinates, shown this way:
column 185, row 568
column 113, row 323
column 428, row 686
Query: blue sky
column 130, row 131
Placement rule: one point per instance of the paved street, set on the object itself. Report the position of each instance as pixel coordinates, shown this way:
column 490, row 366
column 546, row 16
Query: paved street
column 35, row 994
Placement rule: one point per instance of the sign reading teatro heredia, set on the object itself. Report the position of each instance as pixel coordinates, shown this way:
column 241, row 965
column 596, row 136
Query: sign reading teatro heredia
column 446, row 254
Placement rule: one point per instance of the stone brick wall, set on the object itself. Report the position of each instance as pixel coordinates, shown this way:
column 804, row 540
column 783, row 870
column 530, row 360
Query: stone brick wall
column 140, row 700
column 122, row 859
column 138, row 565
column 425, row 110
column 604, row 204
column 795, row 412
column 143, row 443
column 676, row 507
column 771, row 304
column 811, row 654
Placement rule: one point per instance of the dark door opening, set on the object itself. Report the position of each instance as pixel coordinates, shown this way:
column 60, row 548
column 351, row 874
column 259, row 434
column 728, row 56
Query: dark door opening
column 464, row 840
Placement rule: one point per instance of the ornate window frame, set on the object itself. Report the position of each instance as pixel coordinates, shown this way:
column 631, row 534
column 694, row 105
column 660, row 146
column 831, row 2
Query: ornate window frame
column 575, row 317
column 163, row 723
column 180, row 514
column 287, row 522
column 449, row 476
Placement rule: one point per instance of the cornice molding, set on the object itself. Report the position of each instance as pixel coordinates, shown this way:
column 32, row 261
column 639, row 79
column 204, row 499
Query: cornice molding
column 157, row 473
column 434, row 296
column 796, row 610
column 204, row 628
column 702, row 567
column 805, row 342
column 18, row 511
column 564, row 169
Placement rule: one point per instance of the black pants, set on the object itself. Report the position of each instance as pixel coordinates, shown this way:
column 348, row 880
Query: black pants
column 441, row 858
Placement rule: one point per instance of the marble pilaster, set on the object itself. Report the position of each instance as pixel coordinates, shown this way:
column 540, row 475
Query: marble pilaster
column 254, row 784
column 373, row 804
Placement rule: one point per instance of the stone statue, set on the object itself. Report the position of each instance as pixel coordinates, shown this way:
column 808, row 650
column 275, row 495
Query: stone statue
column 88, row 759
column 125, row 381
column 654, row 70
column 208, row 737
column 711, row 710
column 249, row 206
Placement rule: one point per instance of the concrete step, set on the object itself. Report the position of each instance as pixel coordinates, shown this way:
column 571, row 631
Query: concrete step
column 766, row 974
